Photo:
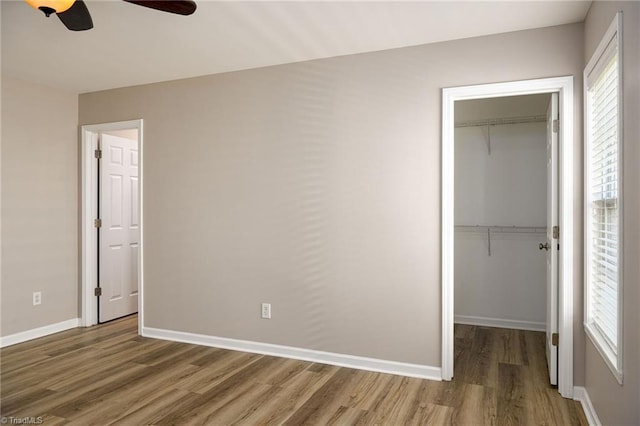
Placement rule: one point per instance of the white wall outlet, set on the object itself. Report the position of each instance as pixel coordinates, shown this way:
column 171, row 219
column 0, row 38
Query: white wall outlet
column 266, row 310
column 37, row 298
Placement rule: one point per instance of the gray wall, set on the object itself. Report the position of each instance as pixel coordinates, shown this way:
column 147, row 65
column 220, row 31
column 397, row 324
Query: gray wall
column 315, row 187
column 616, row 404
column 39, row 205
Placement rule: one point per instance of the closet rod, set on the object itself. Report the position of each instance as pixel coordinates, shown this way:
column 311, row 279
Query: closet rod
column 500, row 121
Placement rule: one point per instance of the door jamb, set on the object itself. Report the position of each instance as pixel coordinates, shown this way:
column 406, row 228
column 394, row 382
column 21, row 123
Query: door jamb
column 564, row 87
column 89, row 212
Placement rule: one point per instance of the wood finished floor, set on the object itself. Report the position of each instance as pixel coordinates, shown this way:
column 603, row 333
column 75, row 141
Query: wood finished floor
column 109, row 375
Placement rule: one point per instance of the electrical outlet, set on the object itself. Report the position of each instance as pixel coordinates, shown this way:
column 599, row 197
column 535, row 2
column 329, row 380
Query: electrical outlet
column 37, row 298
column 266, row 310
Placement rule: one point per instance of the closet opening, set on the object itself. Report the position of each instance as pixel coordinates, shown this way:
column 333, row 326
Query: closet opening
column 505, row 198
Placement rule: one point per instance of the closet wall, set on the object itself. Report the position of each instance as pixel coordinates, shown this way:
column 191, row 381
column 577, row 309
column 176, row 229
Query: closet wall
column 500, row 211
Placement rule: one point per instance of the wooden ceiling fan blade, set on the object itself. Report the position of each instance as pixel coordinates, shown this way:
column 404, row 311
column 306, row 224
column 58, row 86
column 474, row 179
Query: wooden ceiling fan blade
column 180, row 7
column 77, row 17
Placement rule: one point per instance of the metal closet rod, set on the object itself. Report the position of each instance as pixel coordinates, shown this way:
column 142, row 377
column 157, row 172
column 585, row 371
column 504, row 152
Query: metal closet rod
column 501, row 121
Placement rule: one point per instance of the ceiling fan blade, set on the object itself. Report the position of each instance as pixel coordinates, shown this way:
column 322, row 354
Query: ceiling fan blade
column 180, row 7
column 77, row 17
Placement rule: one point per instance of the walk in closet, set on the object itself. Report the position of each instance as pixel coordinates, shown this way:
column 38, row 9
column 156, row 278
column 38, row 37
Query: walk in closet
column 500, row 211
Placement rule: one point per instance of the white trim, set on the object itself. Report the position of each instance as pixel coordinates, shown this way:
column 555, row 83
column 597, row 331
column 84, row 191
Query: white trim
column 36, row 333
column 605, row 51
column 89, row 255
column 502, row 323
column 342, row 360
column 564, row 86
column 580, row 394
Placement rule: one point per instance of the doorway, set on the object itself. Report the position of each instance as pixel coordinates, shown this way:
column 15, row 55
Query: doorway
column 112, row 225
column 505, row 200
column 563, row 87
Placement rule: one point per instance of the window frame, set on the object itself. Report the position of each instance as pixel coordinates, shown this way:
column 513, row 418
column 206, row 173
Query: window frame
column 610, row 46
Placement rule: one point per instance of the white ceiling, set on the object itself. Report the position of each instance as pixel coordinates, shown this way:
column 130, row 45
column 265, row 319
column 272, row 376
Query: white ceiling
column 132, row 45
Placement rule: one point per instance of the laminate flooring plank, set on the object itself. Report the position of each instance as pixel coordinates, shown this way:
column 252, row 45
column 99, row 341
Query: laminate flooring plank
column 482, row 368
column 576, row 413
column 448, row 394
column 462, row 359
column 209, row 376
column 114, row 408
column 287, row 399
column 346, row 416
column 315, row 408
column 538, row 372
column 161, row 354
column 211, row 357
column 237, row 384
column 478, row 406
column 17, row 361
column 47, row 403
column 96, row 394
column 159, row 409
column 547, row 408
column 397, row 406
column 432, row 414
column 524, row 352
column 247, row 401
column 463, row 331
column 47, row 363
column 67, row 338
column 509, row 346
column 317, row 367
column 369, row 390
column 137, row 394
column 511, row 408
column 283, row 373
column 109, row 362
column 13, row 403
column 236, row 409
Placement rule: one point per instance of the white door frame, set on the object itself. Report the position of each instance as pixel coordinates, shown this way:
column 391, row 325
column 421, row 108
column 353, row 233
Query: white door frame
column 564, row 86
column 89, row 255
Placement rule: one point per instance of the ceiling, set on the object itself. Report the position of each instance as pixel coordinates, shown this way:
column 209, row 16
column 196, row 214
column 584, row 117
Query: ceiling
column 132, row 45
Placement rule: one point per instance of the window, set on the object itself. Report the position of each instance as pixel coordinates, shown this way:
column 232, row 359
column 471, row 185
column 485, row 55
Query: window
column 603, row 202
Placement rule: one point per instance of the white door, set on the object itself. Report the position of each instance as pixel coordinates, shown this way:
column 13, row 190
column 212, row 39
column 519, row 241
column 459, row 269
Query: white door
column 119, row 233
column 552, row 244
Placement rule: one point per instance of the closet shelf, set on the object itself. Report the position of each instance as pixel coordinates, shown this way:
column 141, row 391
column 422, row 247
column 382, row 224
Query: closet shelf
column 502, row 121
column 507, row 229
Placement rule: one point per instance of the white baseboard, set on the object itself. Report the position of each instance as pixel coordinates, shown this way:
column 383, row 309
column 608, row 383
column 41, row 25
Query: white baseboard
column 502, row 323
column 35, row 333
column 581, row 394
column 341, row 360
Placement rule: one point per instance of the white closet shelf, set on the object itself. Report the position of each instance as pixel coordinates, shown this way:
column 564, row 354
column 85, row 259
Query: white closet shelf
column 511, row 229
column 502, row 121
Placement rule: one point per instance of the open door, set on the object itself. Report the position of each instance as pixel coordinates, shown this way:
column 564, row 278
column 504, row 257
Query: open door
column 119, row 230
column 552, row 244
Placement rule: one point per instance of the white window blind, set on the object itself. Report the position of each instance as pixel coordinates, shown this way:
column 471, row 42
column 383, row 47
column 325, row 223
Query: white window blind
column 603, row 202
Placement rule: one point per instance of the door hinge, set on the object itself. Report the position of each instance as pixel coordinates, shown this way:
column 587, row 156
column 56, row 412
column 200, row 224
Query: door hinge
column 97, row 291
column 556, row 125
column 554, row 339
column 556, row 232
column 97, row 153
column 98, row 223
